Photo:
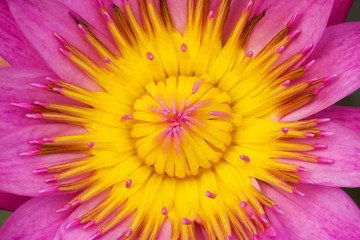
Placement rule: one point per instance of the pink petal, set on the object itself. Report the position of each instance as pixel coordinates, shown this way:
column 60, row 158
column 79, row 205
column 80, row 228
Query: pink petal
column 38, row 20
column 15, row 48
column 323, row 213
column 178, row 11
column 313, row 17
column 343, row 148
column 165, row 231
column 15, row 88
column 345, row 116
column 337, row 52
column 36, row 219
column 77, row 232
column 16, row 172
column 10, row 202
column 340, row 11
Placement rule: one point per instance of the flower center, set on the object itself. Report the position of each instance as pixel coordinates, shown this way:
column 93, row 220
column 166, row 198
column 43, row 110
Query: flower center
column 182, row 124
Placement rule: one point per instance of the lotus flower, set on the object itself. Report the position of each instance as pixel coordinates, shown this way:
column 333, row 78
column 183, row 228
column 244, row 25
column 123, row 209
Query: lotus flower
column 177, row 119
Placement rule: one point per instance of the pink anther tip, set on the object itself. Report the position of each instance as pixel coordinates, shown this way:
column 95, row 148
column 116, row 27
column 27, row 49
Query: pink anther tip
column 127, row 117
column 51, row 180
column 210, row 194
column 31, row 152
column 281, row 50
column 40, row 170
column 329, row 78
column 61, row 40
column 64, row 208
column 53, row 80
column 34, row 115
column 318, row 146
column 90, row 144
column 83, row 29
column 42, row 104
column 150, row 56
column 183, row 47
column 306, row 49
column 264, row 218
column 302, row 169
column 128, row 233
column 40, row 85
column 309, row 135
column 26, row 106
column 285, row 130
column 36, row 142
column 243, row 204
column 293, row 20
column 250, row 54
column 305, row 181
column 107, row 17
column 228, row 237
column 286, row 83
column 186, row 221
column 49, row 189
column 245, row 158
column 58, row 90
column 293, row 34
column 49, row 139
column 318, row 89
column 107, row 60
column 97, row 235
column 76, row 202
column 65, row 52
column 322, row 120
column 248, row 6
column 164, row 211
column 270, row 231
column 312, row 80
column 211, row 14
column 196, row 86
column 73, row 223
column 325, row 160
column 324, row 133
column 297, row 192
column 128, row 183
column 277, row 209
column 89, row 224
column 309, row 65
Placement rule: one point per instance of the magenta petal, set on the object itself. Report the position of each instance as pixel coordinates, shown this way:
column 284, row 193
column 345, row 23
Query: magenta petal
column 345, row 116
column 313, row 17
column 10, row 202
column 15, row 88
column 38, row 20
column 339, row 48
column 344, row 149
column 323, row 213
column 36, row 219
column 15, row 48
column 16, row 172
column 340, row 11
